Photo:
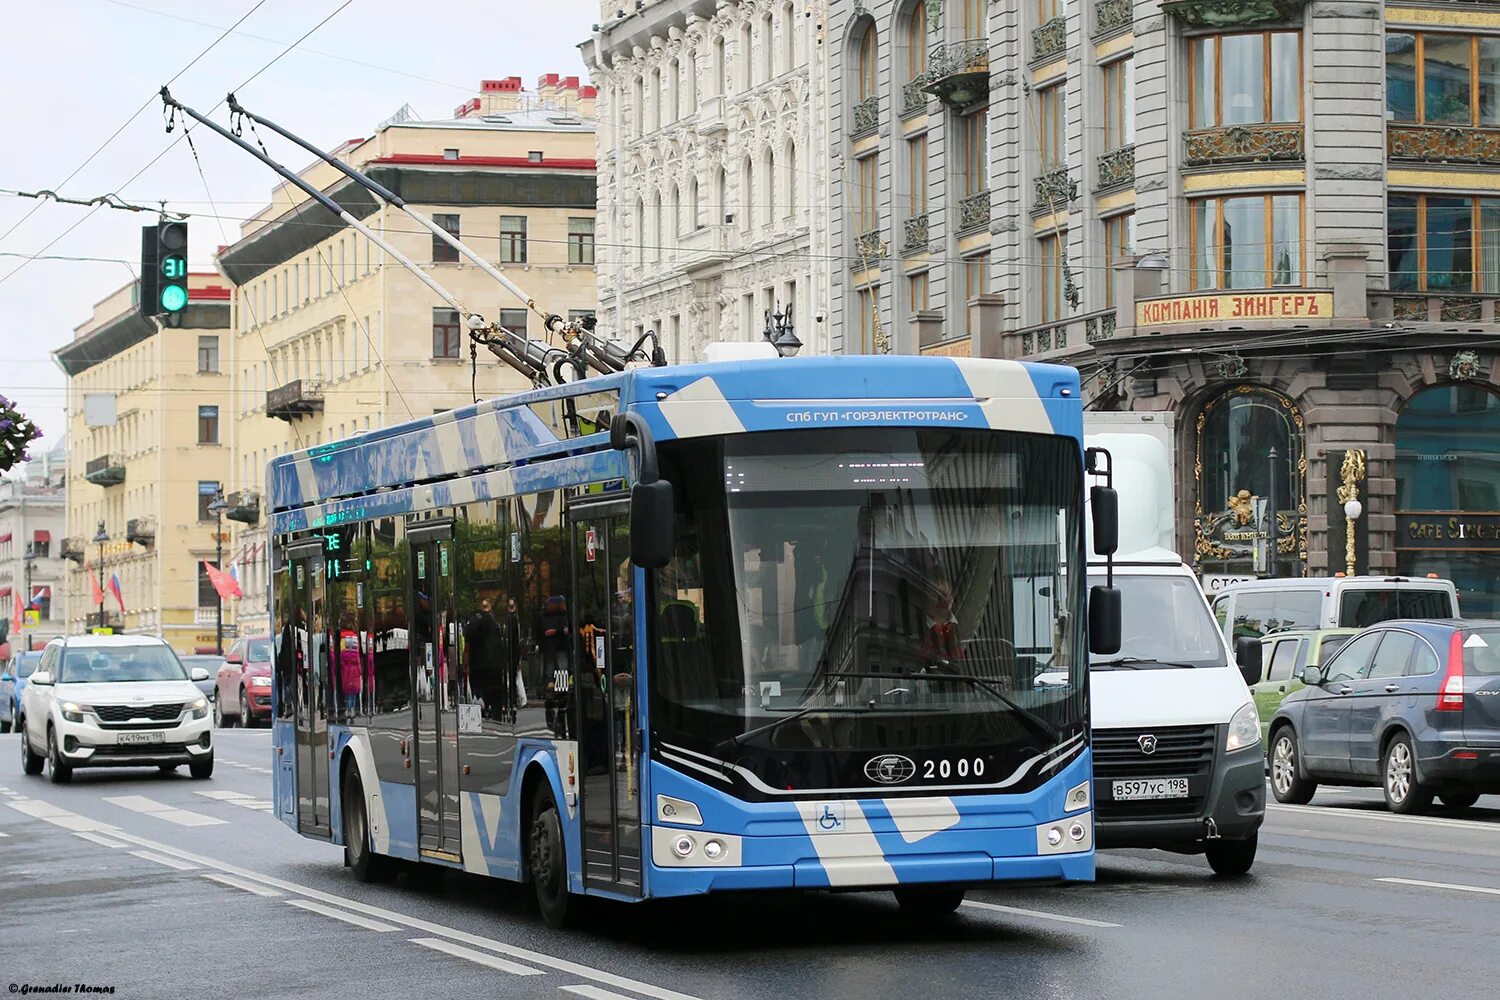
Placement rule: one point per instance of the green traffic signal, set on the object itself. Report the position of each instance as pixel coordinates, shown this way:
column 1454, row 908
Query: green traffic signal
column 174, row 298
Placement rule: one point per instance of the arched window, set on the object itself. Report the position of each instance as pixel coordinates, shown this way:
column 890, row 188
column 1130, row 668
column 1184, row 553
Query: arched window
column 747, row 196
column 788, row 37
column 656, row 102
column 721, row 198
column 675, row 219
column 695, row 215
column 791, row 178
column 639, row 95
column 767, row 46
column 916, row 41
column 865, row 83
column 687, row 87
column 768, row 186
column 1448, row 492
column 640, row 231
column 1250, row 513
column 656, row 223
column 720, row 68
column 674, row 99
column 746, row 49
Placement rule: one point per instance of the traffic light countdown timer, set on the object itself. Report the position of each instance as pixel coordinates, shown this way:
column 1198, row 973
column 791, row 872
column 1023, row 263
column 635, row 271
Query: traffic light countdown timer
column 164, row 271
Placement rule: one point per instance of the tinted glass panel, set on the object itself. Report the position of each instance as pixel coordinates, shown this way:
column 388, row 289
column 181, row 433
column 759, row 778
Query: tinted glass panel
column 1423, row 661
column 1283, row 655
column 1391, row 658
column 1401, row 77
column 1259, row 612
column 1445, row 75
column 1363, row 608
column 1482, row 652
column 1352, row 660
column 119, row 664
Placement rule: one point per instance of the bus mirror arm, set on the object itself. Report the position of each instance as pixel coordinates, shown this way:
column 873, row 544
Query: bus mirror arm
column 651, row 515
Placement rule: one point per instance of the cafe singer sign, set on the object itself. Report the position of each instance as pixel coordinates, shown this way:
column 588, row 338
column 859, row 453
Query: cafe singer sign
column 1438, row 530
column 1235, row 308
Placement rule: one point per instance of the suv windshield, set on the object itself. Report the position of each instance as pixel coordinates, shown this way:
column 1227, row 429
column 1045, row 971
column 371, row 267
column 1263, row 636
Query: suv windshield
column 1365, row 607
column 258, row 651
column 1166, row 624
column 119, row 663
column 842, row 592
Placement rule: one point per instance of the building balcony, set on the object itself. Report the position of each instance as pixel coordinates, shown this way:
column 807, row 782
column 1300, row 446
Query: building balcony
column 1115, row 168
column 866, row 117
column 974, row 213
column 141, row 530
column 711, row 116
column 1113, row 15
column 914, row 234
column 1050, row 40
column 72, row 549
column 1443, row 144
column 1055, row 190
column 1435, row 307
column 294, row 400
column 958, row 73
column 106, row 470
column 914, row 97
column 1233, row 14
column 244, row 506
column 869, row 248
column 707, row 247
column 1244, row 144
column 208, row 616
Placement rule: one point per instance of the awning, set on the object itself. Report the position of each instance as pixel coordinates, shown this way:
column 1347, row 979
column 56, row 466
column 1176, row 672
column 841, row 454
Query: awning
column 41, row 535
column 4, row 591
column 5, row 538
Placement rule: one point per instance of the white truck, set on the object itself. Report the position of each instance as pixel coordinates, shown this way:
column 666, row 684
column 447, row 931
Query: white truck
column 1178, row 763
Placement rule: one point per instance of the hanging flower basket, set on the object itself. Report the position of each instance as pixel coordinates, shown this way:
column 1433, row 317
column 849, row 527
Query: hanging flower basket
column 16, row 434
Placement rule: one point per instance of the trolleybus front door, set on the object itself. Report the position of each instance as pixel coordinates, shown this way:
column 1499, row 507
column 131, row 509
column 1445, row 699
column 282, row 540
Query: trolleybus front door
column 433, row 648
column 603, row 620
column 309, row 612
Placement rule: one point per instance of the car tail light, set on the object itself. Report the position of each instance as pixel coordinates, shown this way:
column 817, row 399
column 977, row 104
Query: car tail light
column 1451, row 694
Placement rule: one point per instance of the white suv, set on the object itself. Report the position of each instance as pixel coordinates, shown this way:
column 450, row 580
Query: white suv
column 114, row 701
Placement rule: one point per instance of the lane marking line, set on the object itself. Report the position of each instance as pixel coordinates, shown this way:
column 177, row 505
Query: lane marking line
column 593, row 992
column 344, row 915
column 4, row 834
column 578, row 969
column 49, row 813
column 162, row 859
column 238, row 883
column 1336, row 813
column 239, row 799
column 1038, row 914
column 224, row 796
column 94, row 838
column 160, row 810
column 1485, row 890
column 477, row 957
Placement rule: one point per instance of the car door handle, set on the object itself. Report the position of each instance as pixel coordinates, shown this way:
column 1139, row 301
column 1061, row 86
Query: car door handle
column 1344, row 690
column 1392, row 688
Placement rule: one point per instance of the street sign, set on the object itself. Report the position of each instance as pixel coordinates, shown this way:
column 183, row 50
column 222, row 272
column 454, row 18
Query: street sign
column 102, row 630
column 33, row 617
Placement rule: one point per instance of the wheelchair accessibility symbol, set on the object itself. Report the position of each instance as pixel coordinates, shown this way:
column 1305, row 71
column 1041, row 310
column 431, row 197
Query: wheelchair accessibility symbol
column 831, row 817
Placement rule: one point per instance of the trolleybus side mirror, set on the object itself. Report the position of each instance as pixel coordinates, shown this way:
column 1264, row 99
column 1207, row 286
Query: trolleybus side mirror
column 651, row 514
column 1247, row 653
column 1104, row 505
column 1104, row 620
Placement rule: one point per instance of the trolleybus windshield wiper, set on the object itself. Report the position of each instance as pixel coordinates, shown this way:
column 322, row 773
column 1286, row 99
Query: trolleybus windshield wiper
column 1034, row 722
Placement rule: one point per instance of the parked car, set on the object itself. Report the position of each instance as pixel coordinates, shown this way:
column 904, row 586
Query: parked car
column 1259, row 607
column 114, row 701
column 242, row 689
column 209, row 663
column 1411, row 706
column 1283, row 657
column 13, row 677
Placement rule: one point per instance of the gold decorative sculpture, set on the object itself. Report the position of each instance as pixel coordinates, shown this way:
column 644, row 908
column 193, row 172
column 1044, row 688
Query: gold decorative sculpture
column 1352, row 471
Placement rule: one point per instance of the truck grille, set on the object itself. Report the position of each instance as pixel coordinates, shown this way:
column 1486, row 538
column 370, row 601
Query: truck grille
column 1181, row 752
column 125, row 713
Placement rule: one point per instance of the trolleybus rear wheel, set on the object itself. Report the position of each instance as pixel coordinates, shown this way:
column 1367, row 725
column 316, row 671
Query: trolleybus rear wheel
column 548, row 860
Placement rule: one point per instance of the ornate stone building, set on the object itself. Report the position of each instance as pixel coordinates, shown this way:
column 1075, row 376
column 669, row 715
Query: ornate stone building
column 712, row 187
column 1273, row 219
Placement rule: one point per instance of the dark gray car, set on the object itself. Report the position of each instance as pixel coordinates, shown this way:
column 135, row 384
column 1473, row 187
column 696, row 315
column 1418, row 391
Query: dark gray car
column 1410, row 706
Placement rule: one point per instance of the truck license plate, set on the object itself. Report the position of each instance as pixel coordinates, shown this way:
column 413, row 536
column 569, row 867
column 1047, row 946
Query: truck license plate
column 1150, row 788
column 134, row 738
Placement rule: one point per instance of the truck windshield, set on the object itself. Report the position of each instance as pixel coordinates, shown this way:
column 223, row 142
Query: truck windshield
column 1166, row 624
column 1363, row 607
column 836, row 593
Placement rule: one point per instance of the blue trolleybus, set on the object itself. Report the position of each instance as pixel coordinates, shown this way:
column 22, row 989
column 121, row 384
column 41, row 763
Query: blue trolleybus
column 778, row 623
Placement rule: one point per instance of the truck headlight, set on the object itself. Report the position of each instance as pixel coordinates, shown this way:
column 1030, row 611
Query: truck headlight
column 72, row 711
column 1244, row 728
column 199, row 708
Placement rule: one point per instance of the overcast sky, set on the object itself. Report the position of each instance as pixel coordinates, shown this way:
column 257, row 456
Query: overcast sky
column 72, row 71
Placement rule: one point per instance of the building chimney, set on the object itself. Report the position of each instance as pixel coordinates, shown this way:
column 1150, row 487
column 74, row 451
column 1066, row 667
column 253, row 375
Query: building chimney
column 588, row 98
column 547, row 89
column 496, row 97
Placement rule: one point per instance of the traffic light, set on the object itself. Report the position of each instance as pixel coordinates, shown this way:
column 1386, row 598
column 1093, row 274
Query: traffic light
column 171, row 266
column 150, row 286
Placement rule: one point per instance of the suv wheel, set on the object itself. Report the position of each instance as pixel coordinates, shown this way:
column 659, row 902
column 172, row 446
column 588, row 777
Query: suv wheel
column 1398, row 777
column 31, row 762
column 59, row 772
column 1286, row 784
column 203, row 768
column 245, row 721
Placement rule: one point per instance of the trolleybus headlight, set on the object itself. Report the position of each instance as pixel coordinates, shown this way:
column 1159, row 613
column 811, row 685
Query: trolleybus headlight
column 1055, row 836
column 1244, row 728
column 1077, row 831
column 683, row 846
column 713, row 850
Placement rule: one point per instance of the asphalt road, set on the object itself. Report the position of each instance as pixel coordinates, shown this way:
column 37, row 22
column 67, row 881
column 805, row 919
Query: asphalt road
column 170, row 887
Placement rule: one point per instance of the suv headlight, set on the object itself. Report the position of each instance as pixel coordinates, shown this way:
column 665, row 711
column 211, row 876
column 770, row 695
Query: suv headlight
column 72, row 711
column 1244, row 728
column 199, row 708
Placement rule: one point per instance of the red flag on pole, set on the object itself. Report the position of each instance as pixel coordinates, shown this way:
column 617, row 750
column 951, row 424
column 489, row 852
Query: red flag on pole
column 223, row 582
column 98, row 594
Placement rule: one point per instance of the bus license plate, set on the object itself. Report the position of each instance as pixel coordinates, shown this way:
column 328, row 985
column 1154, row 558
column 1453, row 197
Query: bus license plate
column 1150, row 788
column 132, row 738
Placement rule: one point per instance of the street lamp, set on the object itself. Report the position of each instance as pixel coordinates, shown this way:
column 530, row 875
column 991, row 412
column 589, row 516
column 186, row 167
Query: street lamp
column 1350, row 473
column 100, row 537
column 780, row 333
column 218, row 507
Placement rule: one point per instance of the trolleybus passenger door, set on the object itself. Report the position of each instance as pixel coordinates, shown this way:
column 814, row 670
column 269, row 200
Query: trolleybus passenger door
column 433, row 647
column 309, row 625
column 603, row 619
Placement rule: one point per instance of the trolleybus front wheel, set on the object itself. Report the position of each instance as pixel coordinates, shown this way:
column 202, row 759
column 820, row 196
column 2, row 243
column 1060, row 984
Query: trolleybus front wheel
column 930, row 900
column 548, row 860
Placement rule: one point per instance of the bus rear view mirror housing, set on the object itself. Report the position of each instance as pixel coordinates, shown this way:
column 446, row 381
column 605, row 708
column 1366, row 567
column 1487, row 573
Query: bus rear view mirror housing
column 651, row 508
column 1105, row 615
